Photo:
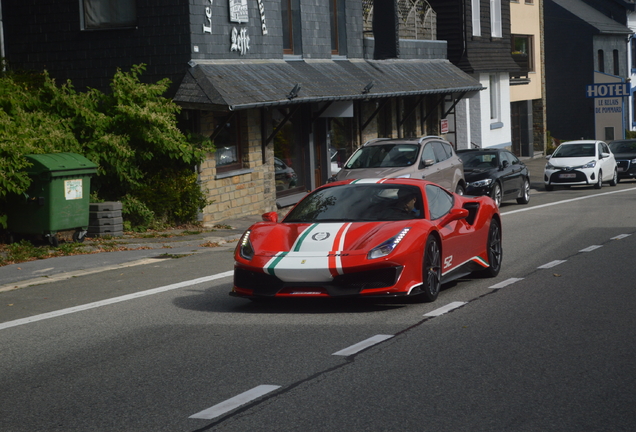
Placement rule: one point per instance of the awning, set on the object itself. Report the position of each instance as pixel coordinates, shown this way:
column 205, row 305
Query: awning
column 236, row 85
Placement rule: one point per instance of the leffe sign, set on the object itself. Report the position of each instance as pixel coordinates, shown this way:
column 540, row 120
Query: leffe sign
column 239, row 13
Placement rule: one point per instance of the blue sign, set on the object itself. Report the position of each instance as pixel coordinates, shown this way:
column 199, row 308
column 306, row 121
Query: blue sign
column 608, row 90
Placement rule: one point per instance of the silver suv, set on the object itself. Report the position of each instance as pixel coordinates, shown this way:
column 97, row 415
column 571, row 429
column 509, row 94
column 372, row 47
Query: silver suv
column 431, row 158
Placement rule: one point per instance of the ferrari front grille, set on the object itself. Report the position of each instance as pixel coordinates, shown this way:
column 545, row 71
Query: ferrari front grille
column 261, row 283
column 380, row 278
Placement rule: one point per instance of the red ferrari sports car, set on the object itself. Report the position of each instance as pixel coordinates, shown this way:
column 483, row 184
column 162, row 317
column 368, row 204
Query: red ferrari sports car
column 369, row 238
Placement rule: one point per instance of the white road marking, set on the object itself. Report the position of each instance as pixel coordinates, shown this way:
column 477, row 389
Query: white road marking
column 449, row 307
column 235, row 402
column 362, row 345
column 113, row 300
column 552, row 264
column 566, row 201
column 506, row 283
column 620, row 236
column 591, row 248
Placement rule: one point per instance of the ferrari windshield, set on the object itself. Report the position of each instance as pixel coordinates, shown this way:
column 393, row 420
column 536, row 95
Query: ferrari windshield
column 359, row 203
column 575, row 150
column 384, row 156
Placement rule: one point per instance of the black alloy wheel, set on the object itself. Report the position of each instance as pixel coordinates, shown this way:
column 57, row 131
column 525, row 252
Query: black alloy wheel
column 432, row 270
column 525, row 193
column 494, row 249
column 599, row 183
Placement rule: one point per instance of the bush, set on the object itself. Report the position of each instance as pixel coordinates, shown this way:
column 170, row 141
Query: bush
column 131, row 134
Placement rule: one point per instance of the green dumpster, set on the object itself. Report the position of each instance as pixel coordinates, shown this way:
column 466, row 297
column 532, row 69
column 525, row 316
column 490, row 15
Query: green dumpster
column 57, row 200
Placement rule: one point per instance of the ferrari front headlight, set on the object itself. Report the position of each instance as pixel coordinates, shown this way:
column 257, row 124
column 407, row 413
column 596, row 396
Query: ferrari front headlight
column 387, row 247
column 245, row 246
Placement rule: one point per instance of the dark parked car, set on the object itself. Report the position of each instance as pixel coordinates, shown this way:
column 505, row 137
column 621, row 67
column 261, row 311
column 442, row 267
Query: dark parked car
column 284, row 175
column 496, row 173
column 625, row 155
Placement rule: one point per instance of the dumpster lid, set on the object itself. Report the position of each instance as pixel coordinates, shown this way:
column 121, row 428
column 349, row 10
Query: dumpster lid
column 60, row 163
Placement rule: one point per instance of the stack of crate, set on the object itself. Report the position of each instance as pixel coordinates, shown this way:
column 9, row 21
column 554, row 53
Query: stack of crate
column 105, row 219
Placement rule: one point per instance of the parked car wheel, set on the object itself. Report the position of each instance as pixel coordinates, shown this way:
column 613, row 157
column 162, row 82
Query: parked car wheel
column 496, row 194
column 599, row 183
column 525, row 193
column 459, row 190
column 614, row 180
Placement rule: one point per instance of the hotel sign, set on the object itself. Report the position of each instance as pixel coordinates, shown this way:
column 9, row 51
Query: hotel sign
column 608, row 90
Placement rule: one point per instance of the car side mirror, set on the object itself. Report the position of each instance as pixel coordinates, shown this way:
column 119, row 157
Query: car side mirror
column 548, row 157
column 505, row 164
column 455, row 214
column 270, row 217
column 428, row 162
column 605, row 155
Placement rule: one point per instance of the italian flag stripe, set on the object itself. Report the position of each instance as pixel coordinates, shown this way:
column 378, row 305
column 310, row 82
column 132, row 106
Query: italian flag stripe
column 269, row 268
column 302, row 237
column 335, row 262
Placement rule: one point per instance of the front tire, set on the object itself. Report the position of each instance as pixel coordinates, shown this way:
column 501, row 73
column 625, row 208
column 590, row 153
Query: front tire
column 614, row 180
column 494, row 249
column 599, row 183
column 459, row 190
column 525, row 193
column 496, row 194
column 431, row 270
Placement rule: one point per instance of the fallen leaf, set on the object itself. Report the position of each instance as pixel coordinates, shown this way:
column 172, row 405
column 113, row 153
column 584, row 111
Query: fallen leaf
column 557, row 275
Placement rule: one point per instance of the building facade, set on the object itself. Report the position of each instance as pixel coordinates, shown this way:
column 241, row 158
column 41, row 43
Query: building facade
column 478, row 36
column 286, row 89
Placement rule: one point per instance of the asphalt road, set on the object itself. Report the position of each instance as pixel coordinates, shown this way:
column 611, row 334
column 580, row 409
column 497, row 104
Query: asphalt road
column 547, row 345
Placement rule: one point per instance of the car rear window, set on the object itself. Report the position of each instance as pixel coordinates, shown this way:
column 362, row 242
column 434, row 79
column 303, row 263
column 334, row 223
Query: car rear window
column 384, row 156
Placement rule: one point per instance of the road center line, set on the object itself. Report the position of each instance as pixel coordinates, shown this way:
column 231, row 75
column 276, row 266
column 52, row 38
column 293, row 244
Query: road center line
column 362, row 345
column 114, row 300
column 591, row 248
column 566, row 201
column 552, row 264
column 620, row 236
column 506, row 283
column 449, row 307
column 235, row 402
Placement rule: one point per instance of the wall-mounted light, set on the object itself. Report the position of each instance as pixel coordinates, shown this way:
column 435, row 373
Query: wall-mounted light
column 368, row 87
column 294, row 92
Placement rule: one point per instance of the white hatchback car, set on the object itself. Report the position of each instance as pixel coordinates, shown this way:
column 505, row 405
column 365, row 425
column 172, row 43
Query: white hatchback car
column 584, row 162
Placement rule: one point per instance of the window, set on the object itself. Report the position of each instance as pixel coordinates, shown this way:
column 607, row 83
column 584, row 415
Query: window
column 227, row 143
column 633, row 52
column 523, row 51
column 601, row 61
column 333, row 12
column 494, row 98
column 616, row 64
column 476, row 13
column 290, row 15
column 439, row 201
column 289, row 149
column 495, row 18
column 106, row 14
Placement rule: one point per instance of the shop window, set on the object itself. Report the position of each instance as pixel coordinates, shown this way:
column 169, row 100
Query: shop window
column 227, row 143
column 633, row 51
column 289, row 158
column 107, row 14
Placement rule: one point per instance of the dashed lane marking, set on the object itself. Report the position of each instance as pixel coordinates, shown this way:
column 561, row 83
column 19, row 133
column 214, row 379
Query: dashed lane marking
column 506, row 283
column 449, row 307
column 552, row 264
column 235, row 402
column 353, row 349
